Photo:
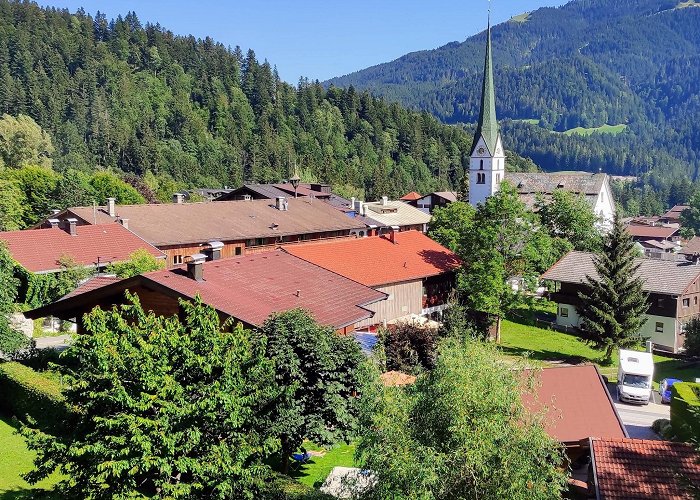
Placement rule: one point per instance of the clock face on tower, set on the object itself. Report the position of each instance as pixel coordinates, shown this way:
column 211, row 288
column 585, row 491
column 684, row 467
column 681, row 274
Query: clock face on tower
column 481, row 151
column 498, row 151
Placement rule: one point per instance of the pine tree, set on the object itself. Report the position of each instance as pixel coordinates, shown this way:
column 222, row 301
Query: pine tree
column 614, row 302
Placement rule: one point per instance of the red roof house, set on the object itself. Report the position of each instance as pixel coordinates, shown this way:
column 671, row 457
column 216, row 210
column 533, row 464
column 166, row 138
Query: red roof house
column 414, row 271
column 40, row 250
column 642, row 469
column 577, row 406
column 247, row 288
column 412, row 196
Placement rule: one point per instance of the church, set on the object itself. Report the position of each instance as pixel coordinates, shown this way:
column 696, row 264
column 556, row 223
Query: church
column 487, row 168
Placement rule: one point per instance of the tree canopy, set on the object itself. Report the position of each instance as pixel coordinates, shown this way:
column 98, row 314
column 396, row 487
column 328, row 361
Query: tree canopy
column 614, row 302
column 177, row 408
column 461, row 432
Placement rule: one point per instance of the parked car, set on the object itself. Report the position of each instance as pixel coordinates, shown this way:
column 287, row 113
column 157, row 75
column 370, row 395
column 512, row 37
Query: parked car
column 665, row 389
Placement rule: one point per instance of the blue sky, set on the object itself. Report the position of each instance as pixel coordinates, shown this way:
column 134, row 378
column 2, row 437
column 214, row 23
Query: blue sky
column 314, row 38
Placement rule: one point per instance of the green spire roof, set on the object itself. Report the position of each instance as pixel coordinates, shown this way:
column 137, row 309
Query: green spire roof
column 488, row 125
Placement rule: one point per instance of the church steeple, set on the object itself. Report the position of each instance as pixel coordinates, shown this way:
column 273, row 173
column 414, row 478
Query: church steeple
column 488, row 125
column 488, row 159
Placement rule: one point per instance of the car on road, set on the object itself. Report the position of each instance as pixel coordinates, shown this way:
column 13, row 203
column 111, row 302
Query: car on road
column 665, row 389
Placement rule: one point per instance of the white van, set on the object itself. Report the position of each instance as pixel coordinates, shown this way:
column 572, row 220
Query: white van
column 634, row 376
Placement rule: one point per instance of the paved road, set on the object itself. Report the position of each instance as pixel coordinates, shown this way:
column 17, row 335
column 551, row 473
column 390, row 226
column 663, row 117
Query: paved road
column 638, row 418
column 59, row 342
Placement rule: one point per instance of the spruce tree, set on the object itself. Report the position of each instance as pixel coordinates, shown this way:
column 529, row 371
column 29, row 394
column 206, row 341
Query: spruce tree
column 614, row 302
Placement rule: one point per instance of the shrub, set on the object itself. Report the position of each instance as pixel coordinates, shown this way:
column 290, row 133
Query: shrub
column 409, row 347
column 25, row 393
column 692, row 337
column 684, row 407
column 662, row 427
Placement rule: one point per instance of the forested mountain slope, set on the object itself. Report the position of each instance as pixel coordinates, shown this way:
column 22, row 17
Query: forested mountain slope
column 171, row 109
column 589, row 63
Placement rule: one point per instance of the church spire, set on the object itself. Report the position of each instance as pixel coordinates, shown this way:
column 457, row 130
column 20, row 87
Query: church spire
column 488, row 125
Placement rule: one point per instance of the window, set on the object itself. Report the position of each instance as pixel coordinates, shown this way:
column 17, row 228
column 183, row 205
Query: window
column 480, row 178
column 696, row 300
column 659, row 327
column 177, row 259
column 564, row 312
column 498, row 178
column 686, row 302
column 238, row 250
column 481, row 165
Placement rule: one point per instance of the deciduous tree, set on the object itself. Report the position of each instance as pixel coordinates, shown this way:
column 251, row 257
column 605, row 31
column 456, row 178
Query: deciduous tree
column 11, row 340
column 164, row 407
column 318, row 372
column 141, row 261
column 570, row 217
column 461, row 432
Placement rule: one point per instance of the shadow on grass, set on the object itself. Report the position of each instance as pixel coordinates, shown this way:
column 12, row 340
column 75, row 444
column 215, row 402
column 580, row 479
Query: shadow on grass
column 687, row 371
column 544, row 355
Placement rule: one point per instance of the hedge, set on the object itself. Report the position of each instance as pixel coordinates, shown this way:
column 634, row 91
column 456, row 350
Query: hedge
column 684, row 422
column 26, row 393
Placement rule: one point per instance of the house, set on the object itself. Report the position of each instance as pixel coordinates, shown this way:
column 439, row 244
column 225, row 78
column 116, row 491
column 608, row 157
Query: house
column 673, row 216
column 411, row 197
column 576, row 406
column 387, row 213
column 46, row 251
column 416, row 273
column 655, row 249
column 673, row 288
column 246, row 288
column 487, row 168
column 623, row 468
column 272, row 191
column 659, row 232
column 429, row 202
column 594, row 188
column 228, row 228
column 692, row 247
column 40, row 251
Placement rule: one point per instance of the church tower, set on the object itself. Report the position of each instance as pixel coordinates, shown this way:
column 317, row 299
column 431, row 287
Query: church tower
column 488, row 160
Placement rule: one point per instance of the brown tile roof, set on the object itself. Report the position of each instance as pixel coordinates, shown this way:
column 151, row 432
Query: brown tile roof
column 643, row 469
column 39, row 250
column 249, row 288
column 547, row 183
column 576, row 402
column 660, row 276
column 649, row 232
column 185, row 223
column 675, row 212
column 692, row 247
column 376, row 261
column 412, row 196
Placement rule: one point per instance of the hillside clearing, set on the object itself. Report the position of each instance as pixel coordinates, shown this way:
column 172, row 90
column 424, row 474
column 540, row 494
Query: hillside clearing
column 688, row 3
column 521, row 18
column 603, row 129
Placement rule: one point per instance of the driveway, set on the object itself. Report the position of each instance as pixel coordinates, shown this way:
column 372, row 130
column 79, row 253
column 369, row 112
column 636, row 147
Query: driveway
column 59, row 342
column 637, row 418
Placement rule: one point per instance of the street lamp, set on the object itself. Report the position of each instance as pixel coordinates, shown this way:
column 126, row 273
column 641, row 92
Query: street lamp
column 294, row 181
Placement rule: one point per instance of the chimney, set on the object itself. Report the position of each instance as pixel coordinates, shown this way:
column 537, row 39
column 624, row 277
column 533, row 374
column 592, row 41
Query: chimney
column 352, row 203
column 112, row 207
column 195, row 267
column 385, row 201
column 392, row 234
column 215, row 249
column 54, row 223
column 178, row 198
column 124, row 222
column 72, row 226
column 55, row 211
column 281, row 203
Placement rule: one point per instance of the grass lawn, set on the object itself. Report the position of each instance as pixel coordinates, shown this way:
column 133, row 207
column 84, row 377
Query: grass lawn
column 315, row 471
column 549, row 345
column 604, row 129
column 16, row 459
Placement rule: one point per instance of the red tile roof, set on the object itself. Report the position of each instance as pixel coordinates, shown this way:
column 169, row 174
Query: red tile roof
column 92, row 284
column 643, row 469
column 39, row 250
column 659, row 232
column 248, row 288
column 577, row 404
column 412, row 196
column 376, row 261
